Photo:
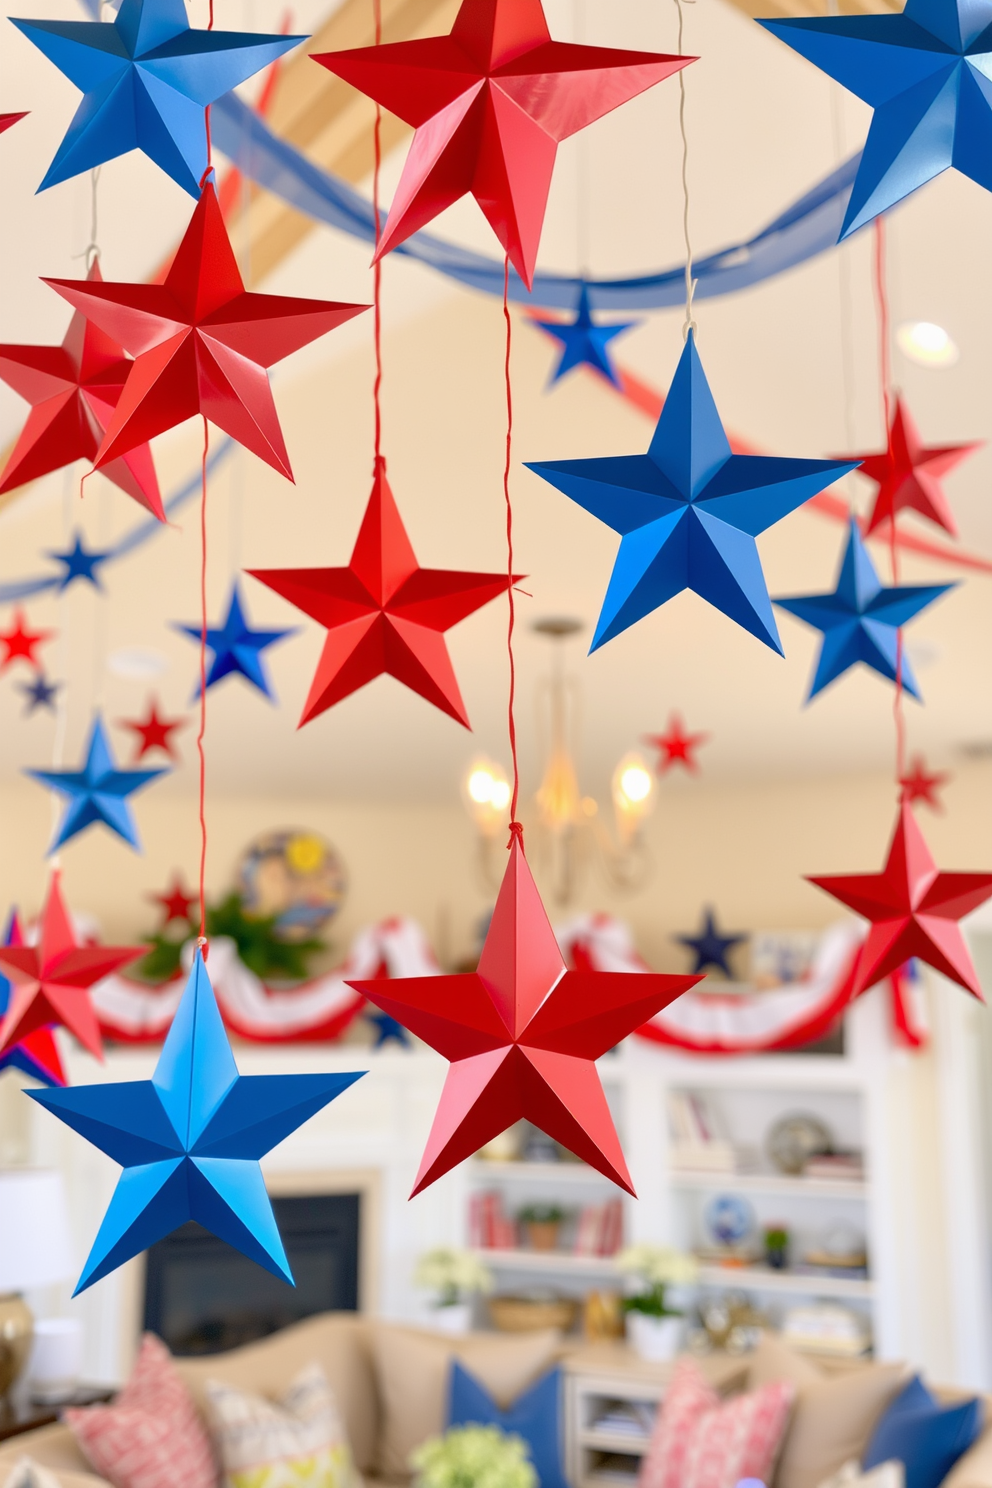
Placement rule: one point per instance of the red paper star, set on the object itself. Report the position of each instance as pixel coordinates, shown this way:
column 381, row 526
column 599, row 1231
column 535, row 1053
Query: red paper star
column 384, row 613
column 201, row 343
column 919, row 785
column 523, row 1034
column 490, row 103
column 51, row 979
column 73, row 390
column 908, row 474
column 175, row 902
column 676, row 747
column 913, row 910
column 40, row 1046
column 20, row 644
column 7, row 120
column 153, row 732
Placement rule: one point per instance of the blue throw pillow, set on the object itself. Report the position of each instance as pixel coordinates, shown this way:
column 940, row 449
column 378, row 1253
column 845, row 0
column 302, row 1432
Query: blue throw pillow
column 535, row 1416
column 925, row 1436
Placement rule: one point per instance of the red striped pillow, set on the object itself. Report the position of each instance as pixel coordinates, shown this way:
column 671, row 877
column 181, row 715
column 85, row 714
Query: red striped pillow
column 151, row 1436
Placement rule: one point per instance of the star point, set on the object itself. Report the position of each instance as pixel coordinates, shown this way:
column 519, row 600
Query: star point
column 98, row 792
column 237, row 647
column 676, row 747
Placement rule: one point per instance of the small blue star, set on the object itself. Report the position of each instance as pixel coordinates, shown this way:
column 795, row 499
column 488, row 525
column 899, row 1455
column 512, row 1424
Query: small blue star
column 583, row 343
column 147, row 79
column 96, row 793
column 79, row 562
column 190, row 1139
column 860, row 620
column 40, row 693
column 709, row 946
column 237, row 648
column 387, row 1028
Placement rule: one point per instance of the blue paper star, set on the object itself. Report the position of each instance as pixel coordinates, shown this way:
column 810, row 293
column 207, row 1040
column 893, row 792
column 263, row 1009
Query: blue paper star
column 860, row 620
column 688, row 511
column 146, row 79
column 387, row 1028
column 583, row 343
column 709, row 946
column 190, row 1138
column 96, row 793
column 236, row 647
column 927, row 73
column 40, row 693
column 79, row 563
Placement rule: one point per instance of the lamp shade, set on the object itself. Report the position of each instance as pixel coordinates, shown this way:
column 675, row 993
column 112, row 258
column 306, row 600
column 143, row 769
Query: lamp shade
column 34, row 1230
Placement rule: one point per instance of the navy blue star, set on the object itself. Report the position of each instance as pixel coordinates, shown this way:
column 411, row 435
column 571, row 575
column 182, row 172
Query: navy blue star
column 96, row 793
column 709, row 946
column 689, row 510
column 387, row 1028
column 860, row 620
column 40, row 693
column 79, row 563
column 236, row 647
column 583, row 343
column 147, row 80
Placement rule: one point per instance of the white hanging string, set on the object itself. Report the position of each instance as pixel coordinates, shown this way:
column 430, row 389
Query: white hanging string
column 690, row 283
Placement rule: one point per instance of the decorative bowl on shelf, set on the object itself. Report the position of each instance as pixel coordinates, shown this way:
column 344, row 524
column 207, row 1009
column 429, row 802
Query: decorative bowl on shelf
column 530, row 1314
column 796, row 1138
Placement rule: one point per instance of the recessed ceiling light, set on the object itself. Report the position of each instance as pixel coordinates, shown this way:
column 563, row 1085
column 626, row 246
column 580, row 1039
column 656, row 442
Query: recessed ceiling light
column 136, row 664
column 929, row 344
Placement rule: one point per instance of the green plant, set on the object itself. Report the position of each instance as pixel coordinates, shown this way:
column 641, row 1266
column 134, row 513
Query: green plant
column 776, row 1238
column 452, row 1275
column 473, row 1457
column 656, row 1267
column 541, row 1214
column 259, row 945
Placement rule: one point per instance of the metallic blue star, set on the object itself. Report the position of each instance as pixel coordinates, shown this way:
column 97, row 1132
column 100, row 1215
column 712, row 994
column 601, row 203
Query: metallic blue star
column 147, row 80
column 584, row 343
column 190, row 1139
column 860, row 620
column 96, row 793
column 387, row 1028
column 709, row 946
column 236, row 647
column 927, row 73
column 79, row 563
column 40, row 693
column 689, row 510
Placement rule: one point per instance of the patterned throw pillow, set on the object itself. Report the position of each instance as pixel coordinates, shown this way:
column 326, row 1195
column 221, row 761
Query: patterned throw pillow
column 701, row 1441
column 296, row 1441
column 151, row 1436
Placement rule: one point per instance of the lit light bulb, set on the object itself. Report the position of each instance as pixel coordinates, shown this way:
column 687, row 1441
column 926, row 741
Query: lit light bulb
column 635, row 782
column 487, row 794
column 929, row 344
column 481, row 786
column 633, row 794
column 499, row 796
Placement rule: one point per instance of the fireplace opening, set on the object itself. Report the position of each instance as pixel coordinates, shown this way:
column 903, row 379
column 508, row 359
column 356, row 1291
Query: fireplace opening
column 203, row 1297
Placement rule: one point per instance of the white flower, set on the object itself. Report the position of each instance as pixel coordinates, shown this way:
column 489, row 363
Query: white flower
column 658, row 1265
column 452, row 1274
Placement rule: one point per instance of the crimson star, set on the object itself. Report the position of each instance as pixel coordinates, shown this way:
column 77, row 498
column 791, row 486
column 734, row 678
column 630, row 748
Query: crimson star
column 175, row 902
column 913, row 910
column 20, row 644
column 384, row 613
column 523, row 1035
column 676, row 747
column 908, row 474
column 918, row 784
column 153, row 732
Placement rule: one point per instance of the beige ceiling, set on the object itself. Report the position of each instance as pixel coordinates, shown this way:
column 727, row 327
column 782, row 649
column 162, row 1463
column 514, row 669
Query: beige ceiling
column 763, row 127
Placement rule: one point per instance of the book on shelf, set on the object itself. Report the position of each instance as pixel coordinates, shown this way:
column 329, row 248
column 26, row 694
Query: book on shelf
column 598, row 1227
column 696, row 1145
column 839, row 1166
column 489, row 1226
column 599, row 1231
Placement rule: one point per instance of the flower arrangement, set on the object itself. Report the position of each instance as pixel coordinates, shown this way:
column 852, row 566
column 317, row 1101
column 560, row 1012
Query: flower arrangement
column 452, row 1275
column 657, row 1267
column 473, row 1457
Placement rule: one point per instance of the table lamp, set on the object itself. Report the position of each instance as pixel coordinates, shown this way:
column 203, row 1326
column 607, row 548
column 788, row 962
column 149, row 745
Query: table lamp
column 34, row 1252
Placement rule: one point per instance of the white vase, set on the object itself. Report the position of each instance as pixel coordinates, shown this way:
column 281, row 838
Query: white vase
column 654, row 1338
column 456, row 1318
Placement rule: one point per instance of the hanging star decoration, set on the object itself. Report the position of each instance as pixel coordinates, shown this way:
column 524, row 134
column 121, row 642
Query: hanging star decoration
column 921, row 784
column 79, row 562
column 40, row 693
column 7, row 121
column 523, row 1035
column 51, row 979
column 20, row 644
column 861, row 619
column 37, row 1054
column 98, row 792
column 689, row 510
column 153, row 731
column 190, row 1139
column 676, row 747
column 175, row 903
column 583, row 343
column 384, row 613
column 709, row 947
column 386, row 1029
column 925, row 73
column 907, row 474
column 913, row 910
column 73, row 389
column 146, row 80
column 201, row 343
column 237, row 648
column 490, row 104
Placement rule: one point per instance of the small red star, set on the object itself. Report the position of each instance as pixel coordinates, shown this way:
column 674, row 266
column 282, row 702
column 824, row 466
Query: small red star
column 918, row 785
column 153, row 732
column 908, row 474
column 176, row 903
column 19, row 643
column 676, row 747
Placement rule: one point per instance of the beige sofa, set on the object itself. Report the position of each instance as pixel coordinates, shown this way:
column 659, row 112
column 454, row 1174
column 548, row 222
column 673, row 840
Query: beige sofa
column 390, row 1383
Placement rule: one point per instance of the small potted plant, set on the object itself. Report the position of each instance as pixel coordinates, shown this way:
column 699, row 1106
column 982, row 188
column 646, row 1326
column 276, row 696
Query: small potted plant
column 473, row 1457
column 455, row 1277
column 654, row 1329
column 777, row 1247
column 542, row 1223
